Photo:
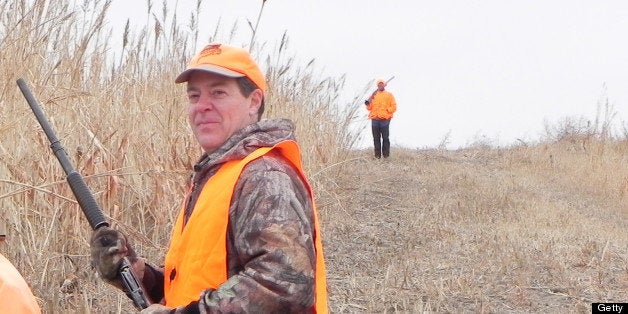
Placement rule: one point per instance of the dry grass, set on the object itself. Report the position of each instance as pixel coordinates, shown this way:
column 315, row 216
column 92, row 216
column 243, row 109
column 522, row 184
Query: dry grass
column 480, row 230
column 489, row 230
column 121, row 120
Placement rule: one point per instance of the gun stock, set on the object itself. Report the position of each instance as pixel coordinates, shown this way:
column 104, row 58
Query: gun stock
column 84, row 197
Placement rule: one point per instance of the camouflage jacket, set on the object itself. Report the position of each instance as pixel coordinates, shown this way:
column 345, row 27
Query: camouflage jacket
column 270, row 248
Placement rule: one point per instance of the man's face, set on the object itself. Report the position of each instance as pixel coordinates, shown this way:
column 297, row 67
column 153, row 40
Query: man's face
column 381, row 86
column 217, row 109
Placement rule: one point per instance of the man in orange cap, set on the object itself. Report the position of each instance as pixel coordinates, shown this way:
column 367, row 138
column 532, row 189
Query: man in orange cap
column 381, row 106
column 246, row 239
column 15, row 295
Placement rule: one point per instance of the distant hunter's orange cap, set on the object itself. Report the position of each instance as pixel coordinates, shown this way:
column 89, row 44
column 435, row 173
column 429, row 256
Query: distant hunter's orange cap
column 380, row 81
column 225, row 60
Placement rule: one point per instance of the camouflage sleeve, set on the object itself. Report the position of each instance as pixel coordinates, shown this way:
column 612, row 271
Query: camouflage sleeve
column 153, row 282
column 271, row 251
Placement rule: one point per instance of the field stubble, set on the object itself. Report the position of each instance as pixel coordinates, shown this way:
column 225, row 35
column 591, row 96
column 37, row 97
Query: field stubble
column 476, row 230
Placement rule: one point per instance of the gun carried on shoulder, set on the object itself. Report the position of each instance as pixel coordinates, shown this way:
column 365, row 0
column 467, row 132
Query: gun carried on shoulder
column 84, row 197
column 368, row 101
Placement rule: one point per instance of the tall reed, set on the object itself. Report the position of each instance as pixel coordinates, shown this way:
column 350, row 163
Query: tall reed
column 122, row 121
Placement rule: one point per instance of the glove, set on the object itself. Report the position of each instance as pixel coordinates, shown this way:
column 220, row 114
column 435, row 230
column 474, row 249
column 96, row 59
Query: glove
column 108, row 248
column 367, row 102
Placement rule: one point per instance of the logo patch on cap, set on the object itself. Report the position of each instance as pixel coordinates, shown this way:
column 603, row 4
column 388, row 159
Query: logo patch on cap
column 211, row 49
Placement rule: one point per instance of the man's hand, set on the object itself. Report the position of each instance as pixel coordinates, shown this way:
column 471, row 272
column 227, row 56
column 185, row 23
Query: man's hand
column 367, row 102
column 108, row 248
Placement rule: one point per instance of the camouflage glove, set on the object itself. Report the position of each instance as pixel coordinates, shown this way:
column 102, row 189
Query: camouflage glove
column 108, row 248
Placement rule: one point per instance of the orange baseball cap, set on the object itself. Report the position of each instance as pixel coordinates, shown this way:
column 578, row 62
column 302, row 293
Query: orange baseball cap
column 380, row 81
column 225, row 60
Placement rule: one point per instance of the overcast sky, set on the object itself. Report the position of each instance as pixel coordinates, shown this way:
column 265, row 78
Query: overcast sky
column 491, row 69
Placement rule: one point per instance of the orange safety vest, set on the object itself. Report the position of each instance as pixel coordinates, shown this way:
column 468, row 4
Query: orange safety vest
column 197, row 257
column 15, row 295
column 382, row 106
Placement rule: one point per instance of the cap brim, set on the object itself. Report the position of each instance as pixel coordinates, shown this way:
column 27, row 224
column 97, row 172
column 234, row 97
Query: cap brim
column 185, row 75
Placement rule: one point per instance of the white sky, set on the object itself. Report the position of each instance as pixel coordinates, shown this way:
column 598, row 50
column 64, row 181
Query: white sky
column 494, row 69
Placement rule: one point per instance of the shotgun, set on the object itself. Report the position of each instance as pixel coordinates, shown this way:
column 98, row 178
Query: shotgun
column 368, row 101
column 84, row 197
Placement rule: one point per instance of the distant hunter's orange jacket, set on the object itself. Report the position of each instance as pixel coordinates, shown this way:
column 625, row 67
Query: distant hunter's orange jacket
column 15, row 295
column 382, row 106
column 197, row 258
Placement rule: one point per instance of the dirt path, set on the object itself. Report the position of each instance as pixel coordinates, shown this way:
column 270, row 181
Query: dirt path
column 460, row 231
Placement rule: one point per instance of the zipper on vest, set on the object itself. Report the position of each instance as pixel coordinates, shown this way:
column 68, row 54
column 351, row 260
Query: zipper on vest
column 187, row 211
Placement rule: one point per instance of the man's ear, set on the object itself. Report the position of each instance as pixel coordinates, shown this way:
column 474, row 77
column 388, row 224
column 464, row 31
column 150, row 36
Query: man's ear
column 256, row 101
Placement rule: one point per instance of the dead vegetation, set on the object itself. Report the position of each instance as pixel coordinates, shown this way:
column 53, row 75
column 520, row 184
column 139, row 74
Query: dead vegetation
column 528, row 228
column 532, row 229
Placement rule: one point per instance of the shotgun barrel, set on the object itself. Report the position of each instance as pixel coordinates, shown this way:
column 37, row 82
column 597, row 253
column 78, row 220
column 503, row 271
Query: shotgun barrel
column 84, row 197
